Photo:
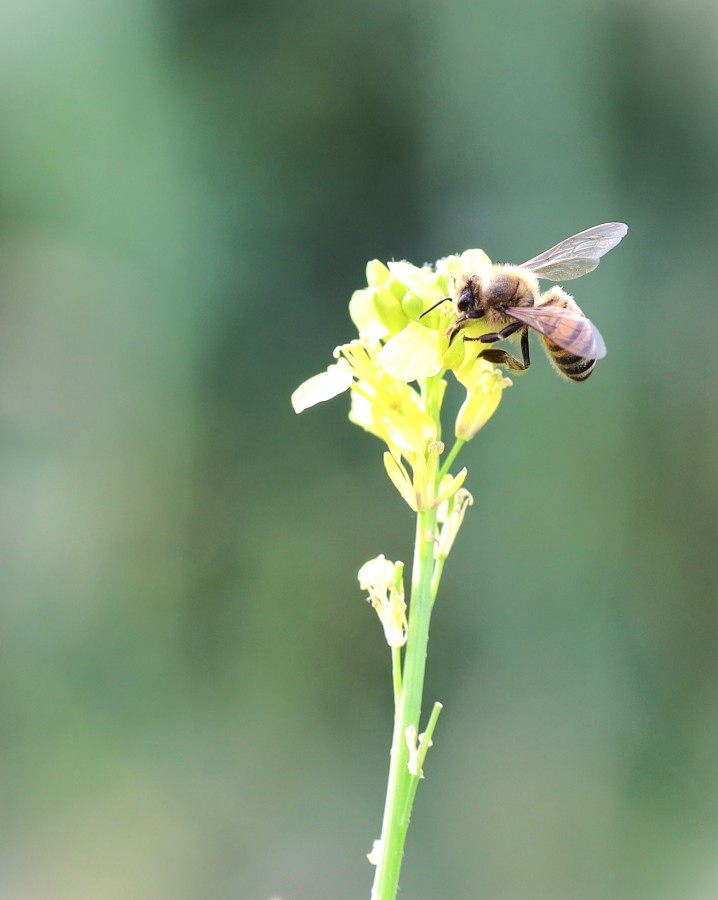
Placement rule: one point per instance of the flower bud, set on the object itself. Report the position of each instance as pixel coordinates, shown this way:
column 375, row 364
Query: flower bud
column 376, row 273
column 384, row 582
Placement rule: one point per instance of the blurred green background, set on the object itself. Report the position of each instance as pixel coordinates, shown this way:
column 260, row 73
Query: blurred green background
column 195, row 696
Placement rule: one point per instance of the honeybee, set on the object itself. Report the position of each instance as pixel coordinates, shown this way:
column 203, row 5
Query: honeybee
column 510, row 300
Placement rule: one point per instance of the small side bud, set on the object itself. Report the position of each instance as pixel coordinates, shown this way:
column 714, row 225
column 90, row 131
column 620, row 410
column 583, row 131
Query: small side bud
column 413, row 747
column 419, row 747
column 374, row 855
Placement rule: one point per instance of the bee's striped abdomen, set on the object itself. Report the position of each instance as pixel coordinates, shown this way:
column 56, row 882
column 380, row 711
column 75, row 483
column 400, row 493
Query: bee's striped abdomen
column 577, row 368
column 573, row 364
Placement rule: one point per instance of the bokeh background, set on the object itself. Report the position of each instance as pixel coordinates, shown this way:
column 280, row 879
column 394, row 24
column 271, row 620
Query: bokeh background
column 195, row 697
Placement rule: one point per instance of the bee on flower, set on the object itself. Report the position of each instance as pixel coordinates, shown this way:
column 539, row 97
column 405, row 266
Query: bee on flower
column 395, row 370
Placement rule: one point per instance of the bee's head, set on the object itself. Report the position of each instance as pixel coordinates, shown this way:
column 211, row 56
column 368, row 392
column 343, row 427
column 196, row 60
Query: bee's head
column 468, row 294
column 468, row 304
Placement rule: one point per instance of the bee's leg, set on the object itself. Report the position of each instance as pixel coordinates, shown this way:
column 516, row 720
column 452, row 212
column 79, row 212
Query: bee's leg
column 502, row 358
column 462, row 321
column 498, row 335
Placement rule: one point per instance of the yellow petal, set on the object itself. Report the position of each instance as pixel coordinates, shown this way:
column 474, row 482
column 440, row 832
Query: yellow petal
column 400, row 479
column 421, row 281
column 413, row 353
column 324, row 386
column 475, row 262
column 450, row 485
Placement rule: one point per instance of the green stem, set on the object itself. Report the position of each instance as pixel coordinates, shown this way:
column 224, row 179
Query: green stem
column 448, row 462
column 396, row 673
column 436, row 577
column 401, row 784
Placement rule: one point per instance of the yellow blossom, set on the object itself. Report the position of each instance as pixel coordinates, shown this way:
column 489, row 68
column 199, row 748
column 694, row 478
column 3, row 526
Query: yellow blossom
column 395, row 370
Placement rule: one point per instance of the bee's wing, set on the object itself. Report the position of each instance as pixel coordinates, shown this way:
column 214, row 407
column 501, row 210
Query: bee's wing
column 577, row 255
column 568, row 328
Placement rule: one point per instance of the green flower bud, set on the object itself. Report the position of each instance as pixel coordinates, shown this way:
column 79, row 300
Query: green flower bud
column 389, row 310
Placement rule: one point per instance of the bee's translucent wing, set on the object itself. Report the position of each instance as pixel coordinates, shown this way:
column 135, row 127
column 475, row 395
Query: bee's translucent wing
column 568, row 328
column 577, row 255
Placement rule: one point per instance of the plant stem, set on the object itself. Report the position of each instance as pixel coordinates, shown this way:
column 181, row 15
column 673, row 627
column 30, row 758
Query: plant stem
column 396, row 673
column 401, row 784
column 448, row 462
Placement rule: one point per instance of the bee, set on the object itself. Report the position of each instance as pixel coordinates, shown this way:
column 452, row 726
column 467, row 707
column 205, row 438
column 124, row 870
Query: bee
column 510, row 300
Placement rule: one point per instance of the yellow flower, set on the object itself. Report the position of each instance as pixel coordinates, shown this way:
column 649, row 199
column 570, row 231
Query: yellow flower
column 395, row 370
column 413, row 353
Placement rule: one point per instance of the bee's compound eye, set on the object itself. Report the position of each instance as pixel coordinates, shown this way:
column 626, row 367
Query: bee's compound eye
column 465, row 300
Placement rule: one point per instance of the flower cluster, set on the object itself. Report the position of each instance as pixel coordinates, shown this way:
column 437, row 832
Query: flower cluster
column 397, row 345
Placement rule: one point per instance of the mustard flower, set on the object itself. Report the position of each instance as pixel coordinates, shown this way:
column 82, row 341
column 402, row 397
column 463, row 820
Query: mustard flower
column 395, row 368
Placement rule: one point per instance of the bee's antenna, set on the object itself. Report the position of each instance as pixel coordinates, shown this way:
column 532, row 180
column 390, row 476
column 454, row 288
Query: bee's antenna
column 431, row 308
